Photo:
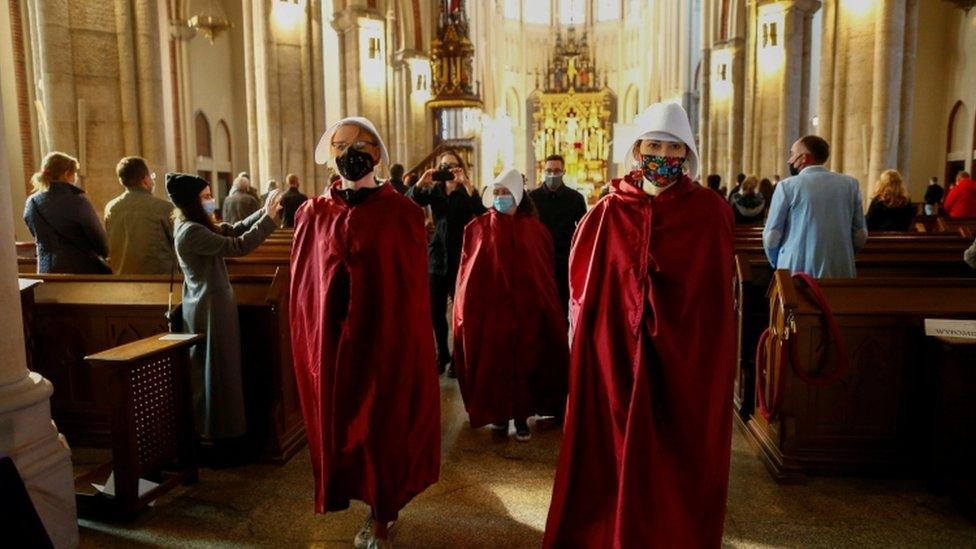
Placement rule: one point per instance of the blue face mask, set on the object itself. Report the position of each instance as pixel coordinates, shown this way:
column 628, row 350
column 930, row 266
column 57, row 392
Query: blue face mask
column 210, row 206
column 504, row 203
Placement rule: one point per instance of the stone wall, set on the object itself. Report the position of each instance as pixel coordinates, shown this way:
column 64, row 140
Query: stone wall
column 891, row 72
column 99, row 79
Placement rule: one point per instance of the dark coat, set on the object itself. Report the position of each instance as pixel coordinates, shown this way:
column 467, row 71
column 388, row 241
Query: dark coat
column 65, row 207
column 882, row 218
column 748, row 209
column 560, row 211
column 290, row 201
column 399, row 185
column 451, row 213
column 238, row 206
column 934, row 194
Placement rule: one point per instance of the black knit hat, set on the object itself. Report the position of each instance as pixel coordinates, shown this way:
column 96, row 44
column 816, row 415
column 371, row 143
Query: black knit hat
column 184, row 188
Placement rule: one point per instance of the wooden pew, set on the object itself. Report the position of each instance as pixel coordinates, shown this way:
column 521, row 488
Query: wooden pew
column 254, row 264
column 966, row 226
column 78, row 315
column 922, row 258
column 954, row 432
column 876, row 419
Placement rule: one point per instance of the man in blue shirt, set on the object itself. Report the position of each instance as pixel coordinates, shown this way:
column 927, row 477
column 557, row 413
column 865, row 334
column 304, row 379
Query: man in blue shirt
column 816, row 219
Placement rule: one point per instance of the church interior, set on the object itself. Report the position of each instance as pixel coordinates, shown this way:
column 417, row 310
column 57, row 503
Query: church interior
column 873, row 448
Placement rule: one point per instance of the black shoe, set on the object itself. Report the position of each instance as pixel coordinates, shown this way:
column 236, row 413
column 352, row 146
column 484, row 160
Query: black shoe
column 451, row 373
column 522, row 432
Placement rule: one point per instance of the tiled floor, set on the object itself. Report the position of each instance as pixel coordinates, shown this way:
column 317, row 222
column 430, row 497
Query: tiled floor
column 496, row 493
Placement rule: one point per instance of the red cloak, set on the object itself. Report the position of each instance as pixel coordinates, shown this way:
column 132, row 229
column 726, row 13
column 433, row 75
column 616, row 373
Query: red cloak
column 511, row 353
column 363, row 350
column 647, row 438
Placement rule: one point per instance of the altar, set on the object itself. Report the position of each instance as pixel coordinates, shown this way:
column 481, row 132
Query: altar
column 572, row 115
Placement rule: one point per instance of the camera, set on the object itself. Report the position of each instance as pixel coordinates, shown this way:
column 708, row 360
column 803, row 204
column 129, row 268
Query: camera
column 442, row 176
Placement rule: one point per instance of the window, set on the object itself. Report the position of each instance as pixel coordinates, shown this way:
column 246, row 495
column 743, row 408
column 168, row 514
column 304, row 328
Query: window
column 511, row 10
column 538, row 11
column 202, row 127
column 607, row 10
column 572, row 12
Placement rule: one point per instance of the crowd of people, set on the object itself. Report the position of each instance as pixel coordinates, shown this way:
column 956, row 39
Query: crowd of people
column 588, row 316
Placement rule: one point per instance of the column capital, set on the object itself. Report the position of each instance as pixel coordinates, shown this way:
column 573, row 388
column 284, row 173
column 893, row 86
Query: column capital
column 348, row 19
column 807, row 6
column 401, row 56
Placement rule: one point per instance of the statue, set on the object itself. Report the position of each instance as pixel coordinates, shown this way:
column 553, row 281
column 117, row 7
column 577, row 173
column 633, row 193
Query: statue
column 572, row 130
column 572, row 73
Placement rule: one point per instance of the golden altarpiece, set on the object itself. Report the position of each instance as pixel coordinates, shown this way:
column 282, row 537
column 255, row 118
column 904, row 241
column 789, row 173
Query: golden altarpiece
column 572, row 115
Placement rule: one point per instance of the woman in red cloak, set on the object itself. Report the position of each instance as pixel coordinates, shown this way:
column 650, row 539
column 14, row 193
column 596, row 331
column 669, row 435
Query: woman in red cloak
column 510, row 347
column 360, row 334
column 647, row 438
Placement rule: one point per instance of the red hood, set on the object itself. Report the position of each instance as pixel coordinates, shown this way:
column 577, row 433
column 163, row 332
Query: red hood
column 966, row 184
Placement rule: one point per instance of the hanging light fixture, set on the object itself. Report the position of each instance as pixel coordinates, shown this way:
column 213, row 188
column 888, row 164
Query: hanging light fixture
column 209, row 23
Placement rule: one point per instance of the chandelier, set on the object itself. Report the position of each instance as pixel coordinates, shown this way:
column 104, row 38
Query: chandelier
column 209, row 23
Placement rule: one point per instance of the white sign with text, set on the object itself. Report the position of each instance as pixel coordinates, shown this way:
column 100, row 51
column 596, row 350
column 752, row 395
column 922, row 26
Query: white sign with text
column 964, row 329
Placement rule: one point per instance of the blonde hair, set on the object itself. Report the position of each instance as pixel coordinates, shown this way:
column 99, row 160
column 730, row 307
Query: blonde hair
column 750, row 185
column 53, row 168
column 891, row 190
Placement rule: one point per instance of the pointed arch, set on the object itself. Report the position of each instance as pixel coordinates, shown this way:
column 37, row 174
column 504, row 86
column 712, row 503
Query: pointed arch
column 513, row 106
column 201, row 128
column 956, row 153
column 631, row 105
column 954, row 135
column 223, row 148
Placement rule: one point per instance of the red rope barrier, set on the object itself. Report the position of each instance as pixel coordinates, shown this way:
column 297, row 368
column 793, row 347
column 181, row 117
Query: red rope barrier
column 843, row 363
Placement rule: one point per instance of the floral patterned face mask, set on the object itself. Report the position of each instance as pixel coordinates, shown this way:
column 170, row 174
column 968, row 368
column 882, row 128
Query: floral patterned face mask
column 662, row 171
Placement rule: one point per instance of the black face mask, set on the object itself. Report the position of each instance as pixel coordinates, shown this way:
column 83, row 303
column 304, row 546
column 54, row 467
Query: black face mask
column 355, row 165
column 794, row 171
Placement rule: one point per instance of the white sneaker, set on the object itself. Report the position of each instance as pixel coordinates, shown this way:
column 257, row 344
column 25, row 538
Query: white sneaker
column 365, row 534
column 364, row 537
column 375, row 543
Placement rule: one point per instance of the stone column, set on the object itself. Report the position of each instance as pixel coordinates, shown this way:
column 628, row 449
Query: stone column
column 750, row 133
column 886, row 103
column 779, row 76
column 868, row 74
column 798, row 19
column 149, row 85
column 365, row 91
column 27, row 434
column 128, row 103
column 737, row 112
column 54, row 68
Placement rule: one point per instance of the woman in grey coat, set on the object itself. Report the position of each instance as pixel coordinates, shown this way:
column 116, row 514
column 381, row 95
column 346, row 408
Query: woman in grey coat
column 209, row 305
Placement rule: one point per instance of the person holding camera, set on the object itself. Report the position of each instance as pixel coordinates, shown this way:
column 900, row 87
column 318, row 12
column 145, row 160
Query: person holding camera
column 453, row 201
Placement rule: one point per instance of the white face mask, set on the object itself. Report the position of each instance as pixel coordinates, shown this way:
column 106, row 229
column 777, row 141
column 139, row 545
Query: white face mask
column 210, row 206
